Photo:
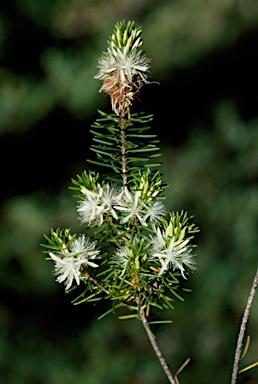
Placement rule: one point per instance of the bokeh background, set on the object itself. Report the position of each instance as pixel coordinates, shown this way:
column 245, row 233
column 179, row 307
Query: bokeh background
column 205, row 58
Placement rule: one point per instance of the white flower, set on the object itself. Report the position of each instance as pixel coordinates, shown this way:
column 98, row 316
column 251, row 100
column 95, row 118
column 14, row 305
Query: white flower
column 68, row 264
column 96, row 204
column 127, row 64
column 157, row 241
column 187, row 259
column 90, row 209
column 67, row 269
column 132, row 205
column 84, row 249
column 154, row 211
column 170, row 253
column 110, row 196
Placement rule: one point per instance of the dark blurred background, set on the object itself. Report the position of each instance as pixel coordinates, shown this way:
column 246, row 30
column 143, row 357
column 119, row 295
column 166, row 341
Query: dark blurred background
column 204, row 55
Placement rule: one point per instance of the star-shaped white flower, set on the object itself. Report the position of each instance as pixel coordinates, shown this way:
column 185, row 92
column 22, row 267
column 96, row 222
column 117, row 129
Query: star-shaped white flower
column 67, row 269
column 68, row 264
column 170, row 253
column 96, row 204
column 84, row 249
column 158, row 243
column 90, row 209
column 132, row 205
column 110, row 196
column 128, row 64
column 154, row 212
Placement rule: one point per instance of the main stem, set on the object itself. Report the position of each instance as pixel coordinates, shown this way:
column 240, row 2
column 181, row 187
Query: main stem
column 152, row 339
column 123, row 150
column 156, row 347
column 242, row 329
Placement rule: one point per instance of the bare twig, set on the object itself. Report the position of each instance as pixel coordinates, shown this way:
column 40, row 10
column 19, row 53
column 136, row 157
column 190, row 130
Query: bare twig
column 182, row 366
column 156, row 347
column 242, row 329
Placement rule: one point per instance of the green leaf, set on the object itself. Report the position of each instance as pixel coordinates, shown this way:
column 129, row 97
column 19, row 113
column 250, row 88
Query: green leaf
column 127, row 317
column 176, row 294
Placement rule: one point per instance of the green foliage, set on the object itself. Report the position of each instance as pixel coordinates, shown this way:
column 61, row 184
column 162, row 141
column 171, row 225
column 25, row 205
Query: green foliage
column 150, row 184
column 126, row 37
column 86, row 182
column 59, row 240
column 140, row 147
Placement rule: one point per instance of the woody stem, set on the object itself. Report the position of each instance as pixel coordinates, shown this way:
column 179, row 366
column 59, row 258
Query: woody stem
column 123, row 151
column 156, row 347
column 242, row 329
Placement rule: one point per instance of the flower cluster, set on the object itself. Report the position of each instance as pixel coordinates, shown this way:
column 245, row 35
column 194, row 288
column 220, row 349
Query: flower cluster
column 171, row 253
column 161, row 251
column 123, row 68
column 109, row 201
column 69, row 263
column 96, row 204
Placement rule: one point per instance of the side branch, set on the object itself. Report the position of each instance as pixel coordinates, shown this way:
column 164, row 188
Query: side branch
column 242, row 329
column 156, row 347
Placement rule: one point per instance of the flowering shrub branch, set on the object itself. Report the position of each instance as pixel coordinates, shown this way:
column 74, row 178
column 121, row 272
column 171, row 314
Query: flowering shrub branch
column 139, row 254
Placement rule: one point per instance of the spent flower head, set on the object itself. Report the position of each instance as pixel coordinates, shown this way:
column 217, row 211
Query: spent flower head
column 123, row 68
